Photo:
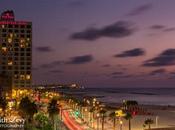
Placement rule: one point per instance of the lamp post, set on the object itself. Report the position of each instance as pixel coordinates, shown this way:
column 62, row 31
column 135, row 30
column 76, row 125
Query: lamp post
column 119, row 114
column 121, row 124
column 157, row 118
column 98, row 121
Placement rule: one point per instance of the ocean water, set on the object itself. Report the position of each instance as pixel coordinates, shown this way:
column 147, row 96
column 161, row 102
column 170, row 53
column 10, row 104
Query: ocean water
column 146, row 96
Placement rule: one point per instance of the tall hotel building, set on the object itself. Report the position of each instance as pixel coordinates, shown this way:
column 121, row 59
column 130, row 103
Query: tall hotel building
column 15, row 50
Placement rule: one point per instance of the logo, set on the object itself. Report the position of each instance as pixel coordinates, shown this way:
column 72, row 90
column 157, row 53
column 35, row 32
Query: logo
column 11, row 122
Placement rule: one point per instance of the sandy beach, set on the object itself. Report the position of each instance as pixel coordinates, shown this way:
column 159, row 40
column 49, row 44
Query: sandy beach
column 163, row 116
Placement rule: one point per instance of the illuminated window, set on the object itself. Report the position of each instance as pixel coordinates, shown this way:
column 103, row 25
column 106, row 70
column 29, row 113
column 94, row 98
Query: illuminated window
column 9, row 40
column 22, row 41
column 4, row 49
column 10, row 63
column 28, row 77
column 22, row 45
column 22, row 77
column 28, row 39
column 11, row 35
column 27, row 44
column 3, row 26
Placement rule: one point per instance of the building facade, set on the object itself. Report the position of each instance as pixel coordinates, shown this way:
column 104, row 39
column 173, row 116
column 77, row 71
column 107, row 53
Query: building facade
column 16, row 50
column 5, row 86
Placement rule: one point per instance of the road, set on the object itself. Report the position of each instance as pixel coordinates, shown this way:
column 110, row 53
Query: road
column 70, row 122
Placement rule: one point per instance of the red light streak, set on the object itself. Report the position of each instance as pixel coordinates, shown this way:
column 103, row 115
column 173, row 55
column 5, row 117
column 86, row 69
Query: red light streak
column 72, row 125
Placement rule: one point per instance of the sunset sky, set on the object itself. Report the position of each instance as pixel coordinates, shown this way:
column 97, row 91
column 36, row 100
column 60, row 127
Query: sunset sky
column 101, row 43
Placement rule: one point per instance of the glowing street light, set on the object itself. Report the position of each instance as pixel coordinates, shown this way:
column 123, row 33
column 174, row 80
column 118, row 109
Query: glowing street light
column 120, row 113
column 121, row 124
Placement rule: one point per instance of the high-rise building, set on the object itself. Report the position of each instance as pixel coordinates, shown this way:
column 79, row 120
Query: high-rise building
column 16, row 50
column 5, row 86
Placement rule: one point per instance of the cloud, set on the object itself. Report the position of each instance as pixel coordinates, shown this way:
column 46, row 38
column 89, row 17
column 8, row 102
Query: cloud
column 162, row 28
column 173, row 73
column 169, row 29
column 73, row 60
column 44, row 49
column 119, row 29
column 158, row 72
column 131, row 53
column 122, row 76
column 157, row 27
column 80, row 59
column 166, row 58
column 140, row 10
column 117, row 73
column 106, row 65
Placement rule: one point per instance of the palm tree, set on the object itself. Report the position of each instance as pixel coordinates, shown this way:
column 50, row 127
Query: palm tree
column 92, row 110
column 82, row 106
column 27, row 108
column 53, row 110
column 129, row 103
column 112, row 116
column 149, row 122
column 102, row 113
column 128, row 117
column 3, row 104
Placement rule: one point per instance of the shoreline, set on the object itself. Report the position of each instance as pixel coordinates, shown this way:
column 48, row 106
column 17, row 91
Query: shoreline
column 163, row 115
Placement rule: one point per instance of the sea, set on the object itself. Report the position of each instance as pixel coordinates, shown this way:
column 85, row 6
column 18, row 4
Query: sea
column 145, row 96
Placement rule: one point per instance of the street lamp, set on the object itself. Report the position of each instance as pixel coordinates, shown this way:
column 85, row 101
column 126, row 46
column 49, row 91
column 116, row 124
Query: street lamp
column 121, row 124
column 98, row 115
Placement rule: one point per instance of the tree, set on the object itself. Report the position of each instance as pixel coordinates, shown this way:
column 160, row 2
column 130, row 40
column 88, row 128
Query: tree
column 3, row 104
column 102, row 113
column 129, row 103
column 82, row 106
column 27, row 108
column 53, row 110
column 128, row 117
column 112, row 116
column 41, row 119
column 149, row 122
column 92, row 110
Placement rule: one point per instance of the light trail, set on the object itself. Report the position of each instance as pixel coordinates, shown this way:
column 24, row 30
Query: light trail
column 72, row 125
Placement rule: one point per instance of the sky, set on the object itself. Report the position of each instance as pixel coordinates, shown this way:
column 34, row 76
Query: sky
column 101, row 43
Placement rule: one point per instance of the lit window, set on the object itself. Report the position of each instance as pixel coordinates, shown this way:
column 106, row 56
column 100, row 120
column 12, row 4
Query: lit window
column 22, row 77
column 22, row 45
column 11, row 35
column 9, row 40
column 3, row 26
column 4, row 49
column 27, row 44
column 28, row 77
column 22, row 41
column 10, row 63
column 28, row 39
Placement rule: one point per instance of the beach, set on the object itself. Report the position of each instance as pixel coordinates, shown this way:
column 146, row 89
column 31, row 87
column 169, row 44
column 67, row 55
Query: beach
column 163, row 117
column 160, row 109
